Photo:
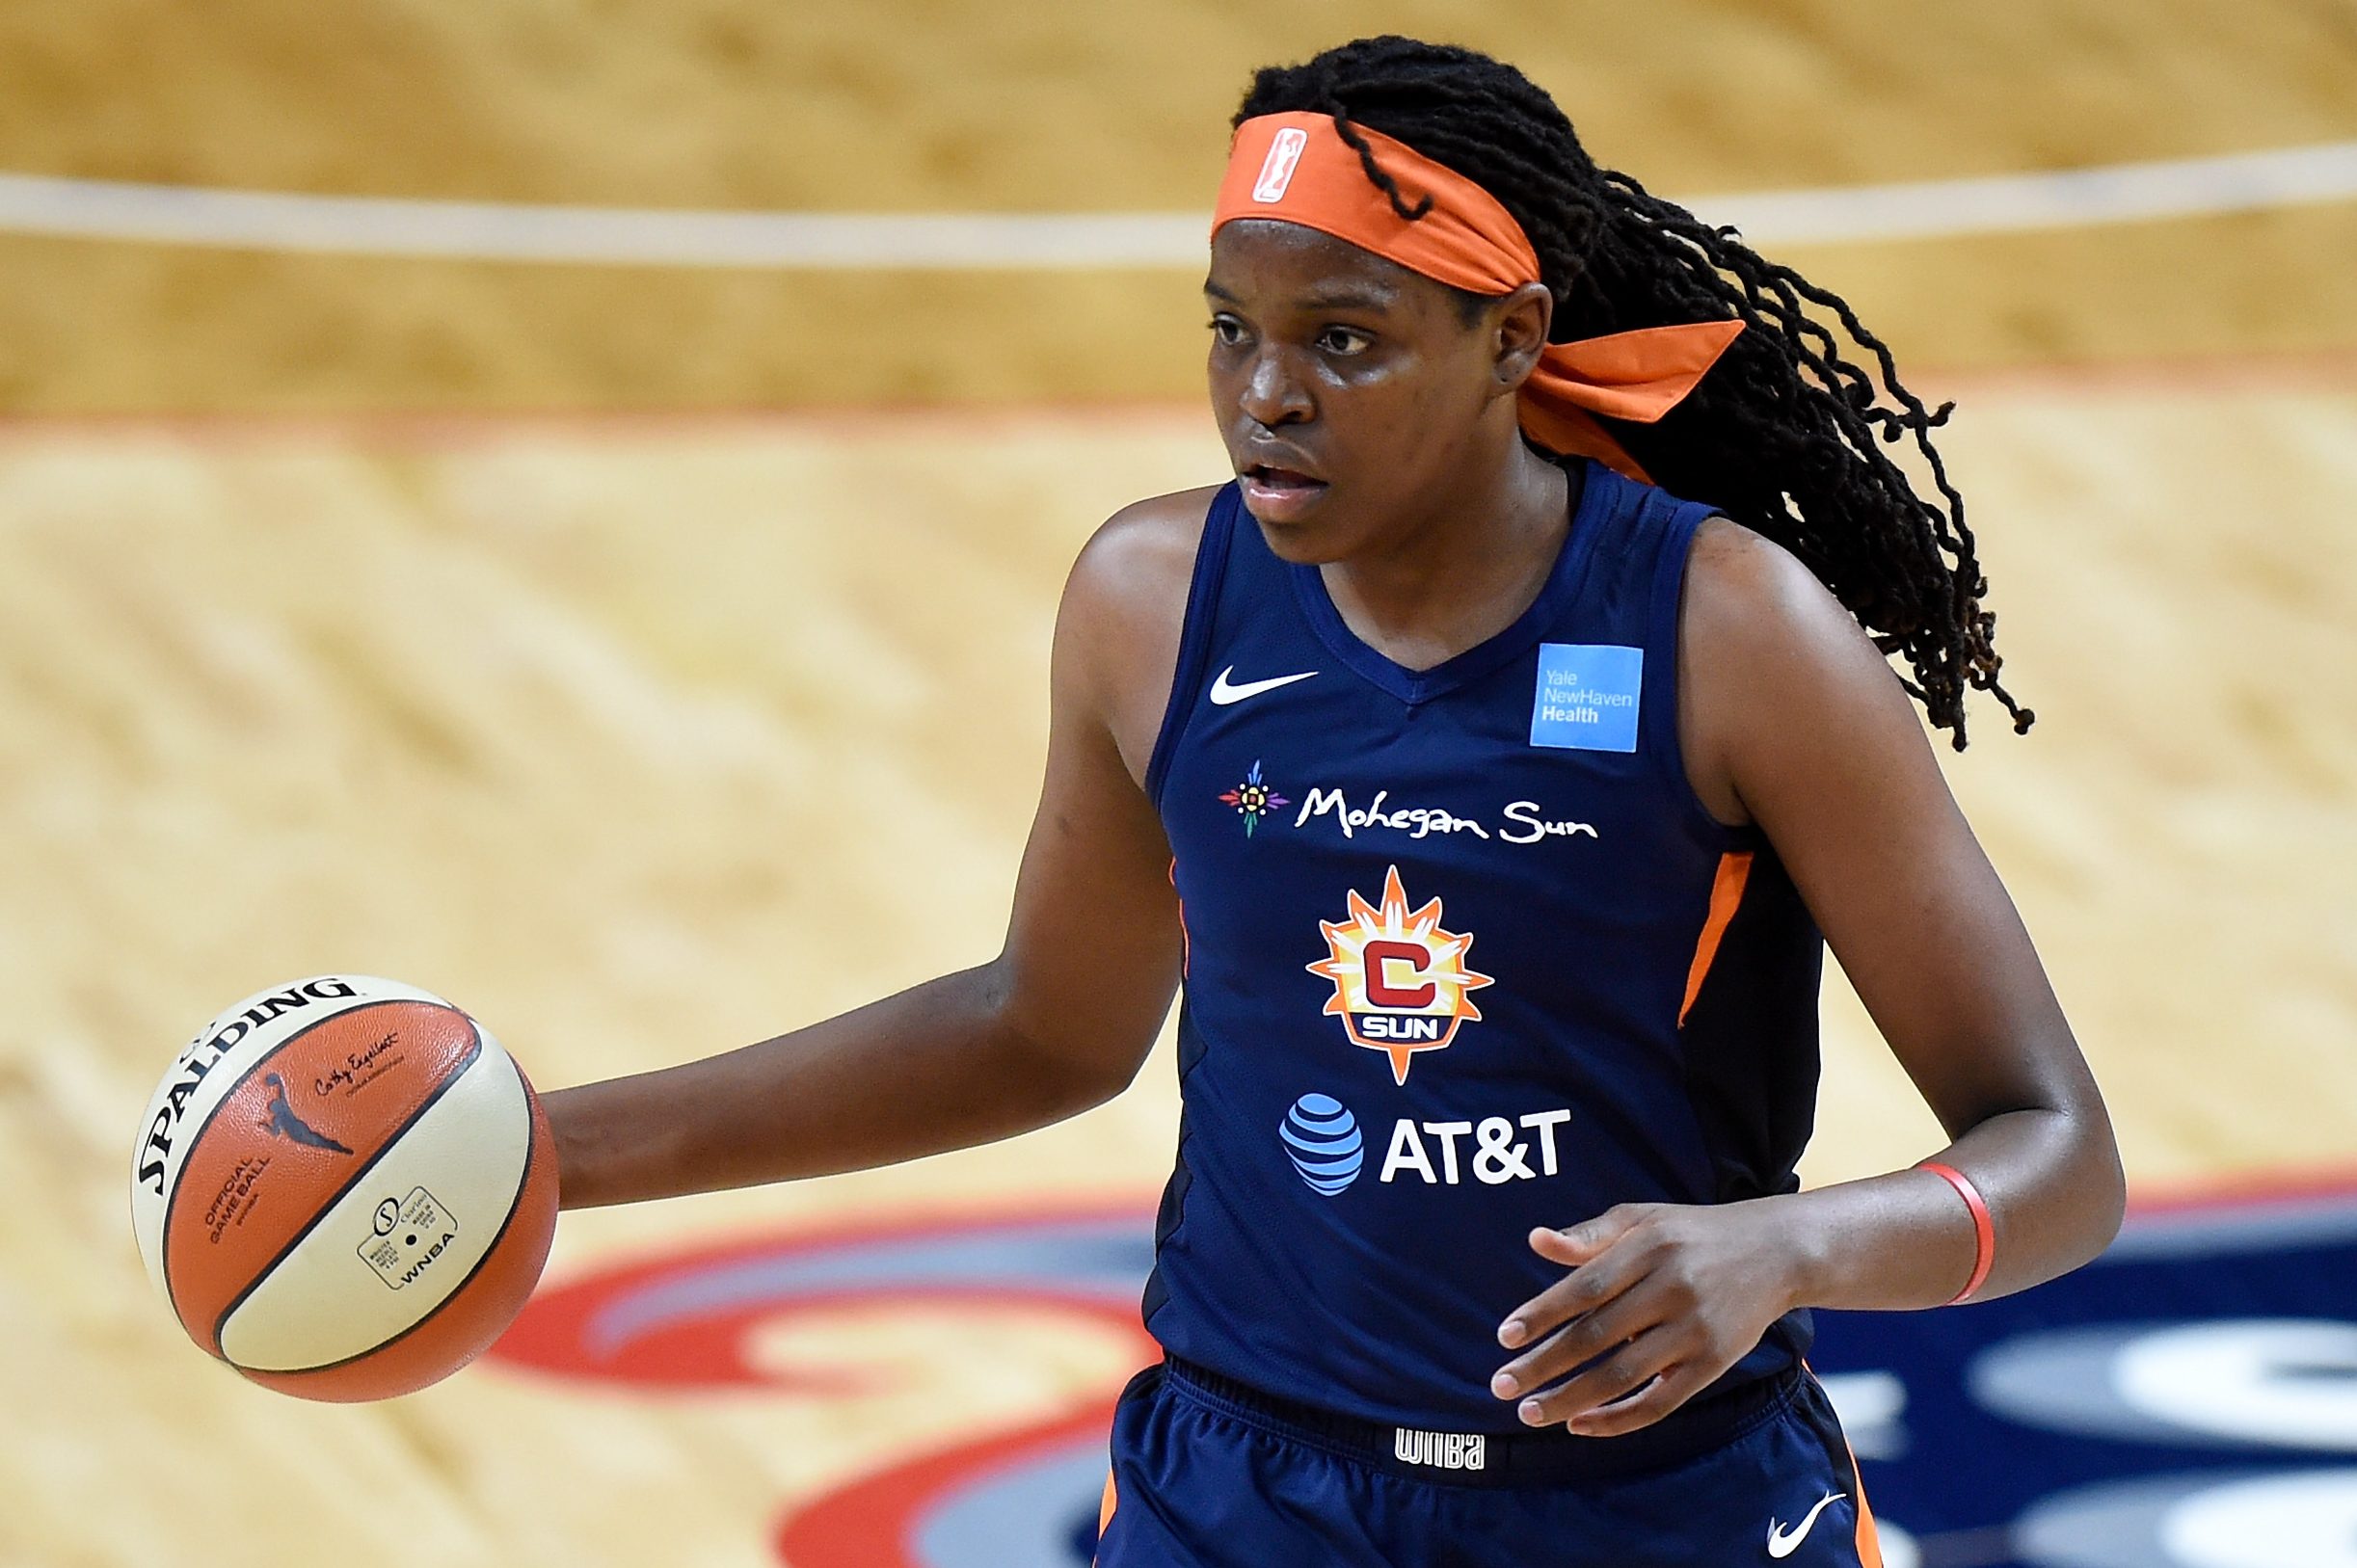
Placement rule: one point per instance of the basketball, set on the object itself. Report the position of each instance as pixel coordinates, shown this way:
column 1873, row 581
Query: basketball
column 344, row 1187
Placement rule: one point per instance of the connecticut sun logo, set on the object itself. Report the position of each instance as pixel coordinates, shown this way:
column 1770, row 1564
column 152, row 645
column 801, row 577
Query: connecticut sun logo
column 1401, row 982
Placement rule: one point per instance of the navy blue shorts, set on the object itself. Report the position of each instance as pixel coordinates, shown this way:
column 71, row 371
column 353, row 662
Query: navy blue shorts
column 1209, row 1475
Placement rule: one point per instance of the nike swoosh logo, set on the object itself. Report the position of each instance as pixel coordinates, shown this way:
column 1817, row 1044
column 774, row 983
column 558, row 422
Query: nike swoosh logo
column 1223, row 692
column 1782, row 1545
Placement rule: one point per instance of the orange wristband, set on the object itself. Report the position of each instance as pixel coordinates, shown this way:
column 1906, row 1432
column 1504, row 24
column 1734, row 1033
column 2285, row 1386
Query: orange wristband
column 1984, row 1231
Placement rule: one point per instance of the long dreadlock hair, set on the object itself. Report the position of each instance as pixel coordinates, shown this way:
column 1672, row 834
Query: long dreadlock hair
column 1781, row 435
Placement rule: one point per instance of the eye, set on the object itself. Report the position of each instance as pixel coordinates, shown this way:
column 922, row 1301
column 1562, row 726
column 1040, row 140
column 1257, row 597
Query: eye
column 1227, row 330
column 1344, row 341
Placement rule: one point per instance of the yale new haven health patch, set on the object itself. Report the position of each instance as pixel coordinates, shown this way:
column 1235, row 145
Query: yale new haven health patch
column 1587, row 696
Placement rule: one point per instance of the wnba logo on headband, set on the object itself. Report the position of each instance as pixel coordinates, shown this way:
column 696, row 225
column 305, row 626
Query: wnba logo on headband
column 1464, row 237
column 1276, row 172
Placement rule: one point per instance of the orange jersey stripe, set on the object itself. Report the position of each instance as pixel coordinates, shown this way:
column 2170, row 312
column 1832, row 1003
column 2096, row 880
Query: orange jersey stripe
column 1726, row 892
column 1186, row 957
column 1869, row 1540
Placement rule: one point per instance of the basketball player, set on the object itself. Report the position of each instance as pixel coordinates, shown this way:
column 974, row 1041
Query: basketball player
column 1487, row 759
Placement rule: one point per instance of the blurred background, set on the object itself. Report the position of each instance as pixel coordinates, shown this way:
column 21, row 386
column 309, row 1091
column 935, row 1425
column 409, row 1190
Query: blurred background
column 562, row 502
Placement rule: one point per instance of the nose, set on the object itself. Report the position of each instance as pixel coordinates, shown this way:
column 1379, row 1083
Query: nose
column 1272, row 394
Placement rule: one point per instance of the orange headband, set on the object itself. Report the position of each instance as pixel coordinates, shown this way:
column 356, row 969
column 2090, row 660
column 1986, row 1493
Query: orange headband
column 1297, row 168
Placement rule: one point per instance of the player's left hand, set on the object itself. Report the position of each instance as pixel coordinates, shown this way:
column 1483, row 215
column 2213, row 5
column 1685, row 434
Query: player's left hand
column 1667, row 1295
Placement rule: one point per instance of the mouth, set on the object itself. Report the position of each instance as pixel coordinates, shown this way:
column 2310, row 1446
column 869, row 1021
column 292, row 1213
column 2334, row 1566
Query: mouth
column 1279, row 494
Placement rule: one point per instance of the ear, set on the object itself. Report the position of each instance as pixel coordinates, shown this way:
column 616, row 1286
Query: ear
column 1518, row 324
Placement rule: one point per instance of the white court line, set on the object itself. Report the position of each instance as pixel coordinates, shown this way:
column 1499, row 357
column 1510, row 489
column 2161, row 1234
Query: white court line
column 633, row 236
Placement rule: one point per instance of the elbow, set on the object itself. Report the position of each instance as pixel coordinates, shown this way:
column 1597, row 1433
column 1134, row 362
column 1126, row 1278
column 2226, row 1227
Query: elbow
column 1118, row 1068
column 1077, row 1064
column 2116, row 1214
column 1086, row 1076
column 1104, row 1059
column 2102, row 1182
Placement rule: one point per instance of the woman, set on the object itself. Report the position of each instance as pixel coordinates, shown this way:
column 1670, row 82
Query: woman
column 1487, row 759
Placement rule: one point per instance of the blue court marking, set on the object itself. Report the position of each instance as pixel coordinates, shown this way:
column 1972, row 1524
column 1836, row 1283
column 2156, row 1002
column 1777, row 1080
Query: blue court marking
column 2113, row 1417
column 2010, row 1433
column 2188, row 1400
column 1029, row 1514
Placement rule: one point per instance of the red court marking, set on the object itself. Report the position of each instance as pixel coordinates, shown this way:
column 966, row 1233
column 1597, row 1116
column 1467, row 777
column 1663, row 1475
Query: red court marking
column 458, row 430
column 706, row 1354
column 2234, row 1190
column 866, row 1522
column 2326, row 369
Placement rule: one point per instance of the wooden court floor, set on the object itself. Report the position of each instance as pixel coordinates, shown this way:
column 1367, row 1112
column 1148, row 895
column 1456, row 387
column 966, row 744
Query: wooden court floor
column 446, row 621
column 643, row 739
column 934, row 105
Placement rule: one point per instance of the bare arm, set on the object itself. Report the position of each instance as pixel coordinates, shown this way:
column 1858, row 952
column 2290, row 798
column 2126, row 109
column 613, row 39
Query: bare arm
column 1057, row 1022
column 1812, row 732
column 1789, row 718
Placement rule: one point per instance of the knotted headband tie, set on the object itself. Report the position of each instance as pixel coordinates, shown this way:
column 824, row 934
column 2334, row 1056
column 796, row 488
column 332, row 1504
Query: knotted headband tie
column 1297, row 167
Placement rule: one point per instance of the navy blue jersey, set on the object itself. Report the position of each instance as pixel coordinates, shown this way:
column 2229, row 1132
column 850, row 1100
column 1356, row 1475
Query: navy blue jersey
column 1465, row 955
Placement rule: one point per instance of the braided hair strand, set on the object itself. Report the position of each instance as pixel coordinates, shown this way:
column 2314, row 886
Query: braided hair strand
column 1781, row 435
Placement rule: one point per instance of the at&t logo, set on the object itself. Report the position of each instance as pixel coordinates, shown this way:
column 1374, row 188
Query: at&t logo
column 1322, row 1140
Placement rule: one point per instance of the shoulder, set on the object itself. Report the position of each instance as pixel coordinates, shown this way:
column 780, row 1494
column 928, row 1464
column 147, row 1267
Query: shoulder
column 1749, row 599
column 1124, row 611
column 1769, row 658
column 1143, row 552
column 1742, row 584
